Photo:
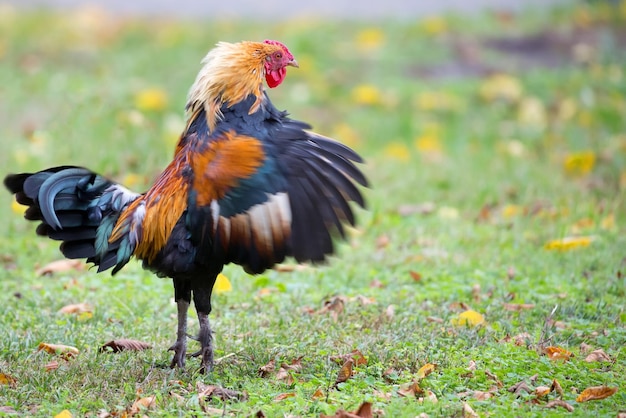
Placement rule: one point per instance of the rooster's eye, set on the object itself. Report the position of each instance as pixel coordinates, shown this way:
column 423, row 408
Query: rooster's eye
column 278, row 55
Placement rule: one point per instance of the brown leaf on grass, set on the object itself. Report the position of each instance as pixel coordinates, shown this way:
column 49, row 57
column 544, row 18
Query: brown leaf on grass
column 596, row 393
column 560, row 403
column 419, row 209
column 557, row 353
column 65, row 351
column 382, row 241
column 53, row 365
column 356, row 355
column 471, row 366
column 584, row 348
column 377, row 284
column 494, row 378
column 334, row 306
column 430, row 396
column 434, row 319
column 142, row 404
column 318, row 394
column 425, row 370
column 288, row 268
column 597, row 355
column 468, row 412
column 213, row 391
column 520, row 388
column 390, row 311
column 516, row 307
column 268, row 369
column 8, row 380
column 284, row 396
column 556, row 386
column 345, row 372
column 76, row 308
column 60, row 266
column 115, row 346
column 7, row 410
column 415, row 276
column 542, row 391
column 411, row 390
column 364, row 411
column 479, row 395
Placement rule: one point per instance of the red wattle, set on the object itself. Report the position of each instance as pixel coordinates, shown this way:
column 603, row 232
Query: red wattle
column 275, row 77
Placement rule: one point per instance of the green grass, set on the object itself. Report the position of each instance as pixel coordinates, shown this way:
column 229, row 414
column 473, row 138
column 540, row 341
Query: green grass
column 498, row 186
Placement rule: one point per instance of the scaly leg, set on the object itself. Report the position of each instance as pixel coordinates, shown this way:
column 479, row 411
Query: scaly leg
column 182, row 295
column 206, row 343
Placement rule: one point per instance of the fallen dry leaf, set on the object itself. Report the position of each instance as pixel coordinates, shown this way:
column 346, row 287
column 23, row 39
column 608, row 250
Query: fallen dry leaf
column 268, row 369
column 493, row 377
column 6, row 379
column 556, row 386
column 356, row 355
column 142, row 404
column 469, row 318
column 542, row 391
column 65, row 351
column 482, row 396
column 557, row 353
column 471, row 366
column 213, row 391
column 60, row 266
column 468, row 412
column 560, row 403
column 364, row 411
column 516, row 307
column 53, row 365
column 64, row 414
column 334, row 306
column 283, row 396
column 318, row 394
column 76, row 308
column 597, row 355
column 430, row 396
column 425, row 370
column 415, row 276
column 412, row 390
column 7, row 410
column 390, row 312
column 596, row 393
column 584, row 348
column 519, row 388
column 115, row 346
column 345, row 372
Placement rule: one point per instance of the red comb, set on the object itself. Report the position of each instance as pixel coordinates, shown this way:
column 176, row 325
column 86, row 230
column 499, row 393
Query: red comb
column 280, row 44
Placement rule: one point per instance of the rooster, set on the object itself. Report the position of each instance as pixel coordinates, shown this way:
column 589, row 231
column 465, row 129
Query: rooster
column 247, row 185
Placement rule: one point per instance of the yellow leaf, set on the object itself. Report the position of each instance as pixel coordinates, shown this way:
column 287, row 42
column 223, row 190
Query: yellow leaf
column 64, row 414
column 366, row 94
column 568, row 243
column 370, row 39
column 151, row 100
column 469, row 318
column 501, row 87
column 428, row 143
column 65, row 351
column 557, row 353
column 434, row 25
column 425, row 370
column 142, row 404
column 222, row 284
column 579, row 163
column 75, row 308
column 397, row 151
column 532, row 112
column 18, row 208
column 596, row 393
column 512, row 211
column 6, row 379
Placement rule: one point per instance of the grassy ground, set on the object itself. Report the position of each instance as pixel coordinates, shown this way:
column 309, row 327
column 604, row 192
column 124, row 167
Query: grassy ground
column 475, row 179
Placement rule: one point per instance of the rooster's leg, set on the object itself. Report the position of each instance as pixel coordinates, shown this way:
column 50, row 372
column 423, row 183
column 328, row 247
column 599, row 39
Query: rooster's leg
column 202, row 301
column 183, row 298
column 206, row 343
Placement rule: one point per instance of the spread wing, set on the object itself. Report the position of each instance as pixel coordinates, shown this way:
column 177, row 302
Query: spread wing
column 254, row 201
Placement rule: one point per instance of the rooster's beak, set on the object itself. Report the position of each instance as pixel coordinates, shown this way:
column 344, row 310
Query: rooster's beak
column 293, row 63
